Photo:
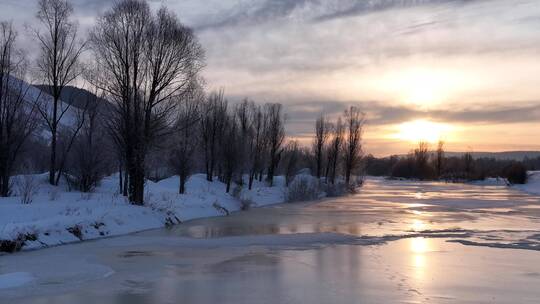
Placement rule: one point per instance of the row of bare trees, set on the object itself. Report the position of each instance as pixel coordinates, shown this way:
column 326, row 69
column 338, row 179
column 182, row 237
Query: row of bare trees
column 246, row 139
column 144, row 64
column 145, row 98
column 17, row 118
column 338, row 146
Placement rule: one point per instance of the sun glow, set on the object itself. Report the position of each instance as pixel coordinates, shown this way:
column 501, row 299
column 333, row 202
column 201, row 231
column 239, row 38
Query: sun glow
column 423, row 130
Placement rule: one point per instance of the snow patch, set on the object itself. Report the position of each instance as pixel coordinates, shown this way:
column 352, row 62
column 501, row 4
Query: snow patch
column 57, row 216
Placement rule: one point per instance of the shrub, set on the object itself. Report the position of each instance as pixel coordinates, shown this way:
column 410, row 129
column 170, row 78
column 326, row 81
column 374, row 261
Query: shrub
column 27, row 187
column 303, row 188
column 76, row 231
column 516, row 173
column 245, row 204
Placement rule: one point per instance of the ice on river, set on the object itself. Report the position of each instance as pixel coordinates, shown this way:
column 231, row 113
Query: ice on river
column 394, row 242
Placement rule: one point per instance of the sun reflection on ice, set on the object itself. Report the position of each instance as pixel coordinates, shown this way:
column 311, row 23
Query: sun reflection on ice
column 419, row 246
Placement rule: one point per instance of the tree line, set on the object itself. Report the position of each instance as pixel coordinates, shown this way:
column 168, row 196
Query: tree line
column 144, row 111
column 431, row 163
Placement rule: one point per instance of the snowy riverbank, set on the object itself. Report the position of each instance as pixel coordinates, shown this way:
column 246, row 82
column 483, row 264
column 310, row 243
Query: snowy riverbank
column 533, row 183
column 57, row 216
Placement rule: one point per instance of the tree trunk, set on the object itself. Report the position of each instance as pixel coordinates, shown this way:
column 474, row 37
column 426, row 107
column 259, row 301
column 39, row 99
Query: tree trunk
column 228, row 185
column 52, row 165
column 319, row 163
column 120, row 181
column 126, row 183
column 182, row 188
column 251, row 178
column 136, row 187
column 135, row 163
column 4, row 184
column 347, row 174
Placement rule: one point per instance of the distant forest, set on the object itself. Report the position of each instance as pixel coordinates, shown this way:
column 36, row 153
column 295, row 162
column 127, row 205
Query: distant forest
column 425, row 163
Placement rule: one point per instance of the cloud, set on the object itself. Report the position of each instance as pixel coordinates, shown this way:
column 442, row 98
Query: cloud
column 302, row 114
column 317, row 55
column 356, row 8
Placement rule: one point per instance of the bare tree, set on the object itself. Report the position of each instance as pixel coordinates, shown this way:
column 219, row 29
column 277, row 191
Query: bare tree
column 292, row 155
column 212, row 124
column 421, row 157
column 88, row 162
column 145, row 61
column 258, row 143
column 354, row 123
column 335, row 148
column 58, row 64
column 230, row 147
column 321, row 136
column 17, row 115
column 468, row 165
column 439, row 161
column 185, row 138
column 275, row 134
column 242, row 111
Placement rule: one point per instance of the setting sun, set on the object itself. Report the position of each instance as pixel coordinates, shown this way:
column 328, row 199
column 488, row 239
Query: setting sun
column 423, row 130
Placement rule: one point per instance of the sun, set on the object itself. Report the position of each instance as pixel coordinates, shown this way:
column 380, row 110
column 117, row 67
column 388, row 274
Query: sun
column 422, row 87
column 423, row 130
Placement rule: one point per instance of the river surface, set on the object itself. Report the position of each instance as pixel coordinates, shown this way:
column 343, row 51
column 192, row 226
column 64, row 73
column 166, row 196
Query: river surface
column 393, row 242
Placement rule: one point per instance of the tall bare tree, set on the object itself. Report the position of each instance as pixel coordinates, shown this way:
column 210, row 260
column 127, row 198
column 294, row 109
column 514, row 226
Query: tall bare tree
column 322, row 128
column 212, row 123
column 146, row 61
column 334, row 149
column 185, row 137
column 58, row 63
column 292, row 157
column 230, row 147
column 354, row 125
column 421, row 157
column 17, row 111
column 258, row 143
column 242, row 111
column 88, row 161
column 275, row 134
column 439, row 161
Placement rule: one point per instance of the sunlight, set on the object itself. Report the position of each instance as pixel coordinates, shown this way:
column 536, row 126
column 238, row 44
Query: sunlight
column 418, row 225
column 419, row 245
column 423, row 87
column 423, row 130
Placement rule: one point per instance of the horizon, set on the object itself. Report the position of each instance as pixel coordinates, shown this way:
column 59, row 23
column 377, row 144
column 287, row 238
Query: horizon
column 465, row 72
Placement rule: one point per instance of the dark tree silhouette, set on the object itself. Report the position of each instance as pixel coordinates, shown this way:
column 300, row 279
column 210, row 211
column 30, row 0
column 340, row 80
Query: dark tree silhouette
column 334, row 149
column 185, row 137
column 145, row 62
column 58, row 64
column 275, row 134
column 322, row 128
column 17, row 109
column 439, row 161
column 212, row 126
column 354, row 123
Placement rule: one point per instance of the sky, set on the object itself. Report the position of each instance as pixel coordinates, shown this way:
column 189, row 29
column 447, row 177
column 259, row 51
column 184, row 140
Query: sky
column 464, row 71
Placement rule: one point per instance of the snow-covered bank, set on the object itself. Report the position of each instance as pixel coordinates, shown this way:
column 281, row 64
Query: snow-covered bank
column 57, row 216
column 533, row 183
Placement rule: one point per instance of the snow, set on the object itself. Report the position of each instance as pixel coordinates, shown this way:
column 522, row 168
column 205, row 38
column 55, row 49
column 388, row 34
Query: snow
column 491, row 181
column 533, row 183
column 56, row 215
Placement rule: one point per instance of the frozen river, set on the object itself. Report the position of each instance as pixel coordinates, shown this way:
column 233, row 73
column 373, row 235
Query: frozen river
column 394, row 242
